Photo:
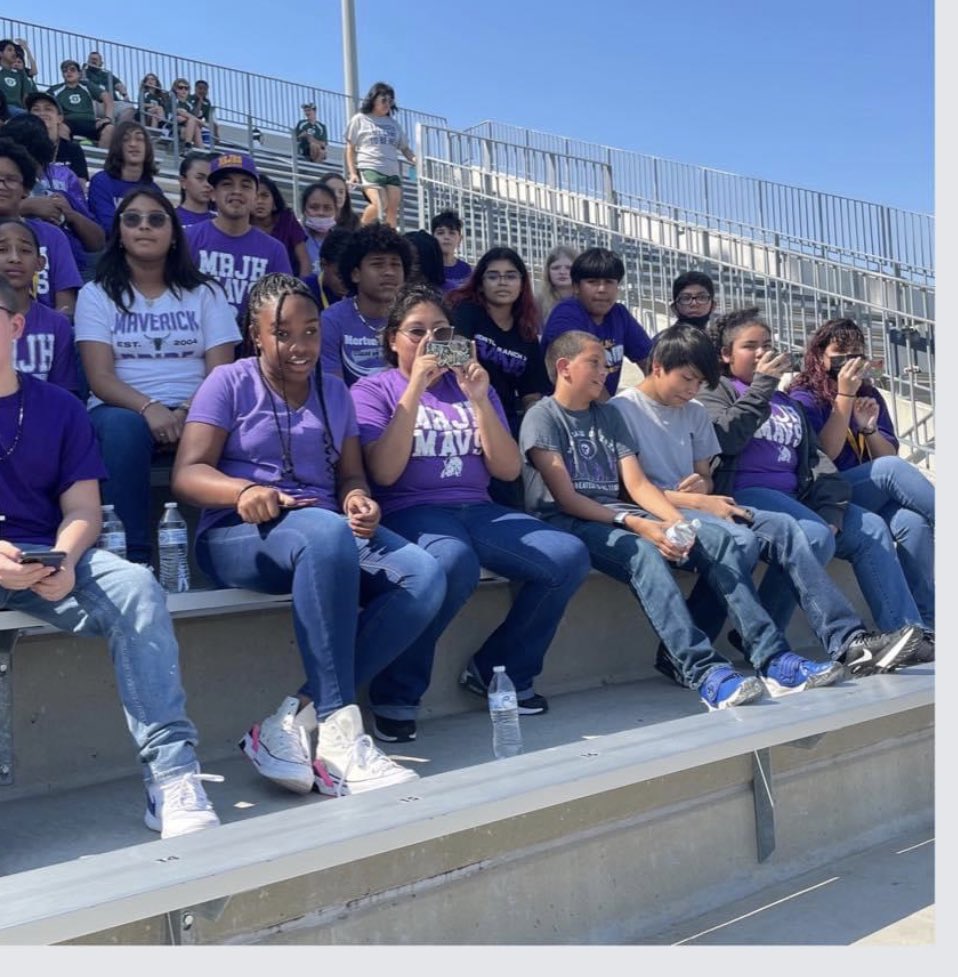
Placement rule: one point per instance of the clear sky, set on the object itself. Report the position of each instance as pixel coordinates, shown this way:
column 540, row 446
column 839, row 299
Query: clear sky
column 833, row 95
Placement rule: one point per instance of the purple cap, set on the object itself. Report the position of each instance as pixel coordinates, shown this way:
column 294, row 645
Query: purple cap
column 232, row 163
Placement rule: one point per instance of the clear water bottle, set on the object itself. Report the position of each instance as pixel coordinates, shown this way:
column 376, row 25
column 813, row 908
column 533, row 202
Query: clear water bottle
column 112, row 533
column 173, row 548
column 682, row 534
column 504, row 710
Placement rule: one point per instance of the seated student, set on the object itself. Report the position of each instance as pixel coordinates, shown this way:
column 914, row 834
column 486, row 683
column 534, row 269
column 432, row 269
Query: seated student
column 282, row 515
column 676, row 444
column 50, row 499
column 577, row 456
column 426, row 259
column 374, row 265
column 195, row 189
column 771, row 459
column 345, row 216
column 190, row 132
column 66, row 151
column 311, row 135
column 693, row 298
column 14, row 83
column 856, row 431
column 129, row 164
column 155, row 105
column 318, row 205
column 596, row 274
column 432, row 437
column 327, row 287
column 45, row 346
column 446, row 227
column 205, row 111
column 149, row 327
column 59, row 281
column 78, row 100
column 93, row 71
column 556, row 282
column 272, row 215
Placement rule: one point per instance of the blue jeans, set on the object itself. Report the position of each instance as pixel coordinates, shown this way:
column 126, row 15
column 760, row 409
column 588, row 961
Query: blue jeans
column 625, row 556
column 128, row 448
column 313, row 555
column 462, row 539
column 864, row 541
column 905, row 499
column 125, row 605
column 779, row 540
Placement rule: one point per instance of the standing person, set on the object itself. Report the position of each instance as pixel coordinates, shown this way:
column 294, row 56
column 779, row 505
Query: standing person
column 771, row 459
column 345, row 216
column 93, row 71
column 693, row 298
column 228, row 247
column 594, row 308
column 374, row 140
column 375, row 263
column 79, row 100
column 432, row 437
column 49, row 467
column 14, row 83
column 47, row 109
column 317, row 204
column 195, row 189
column 311, row 135
column 855, row 429
column 190, row 132
column 205, row 111
column 327, row 287
column 149, row 327
column 129, row 164
column 446, row 228
column 273, row 215
column 556, row 282
column 271, row 452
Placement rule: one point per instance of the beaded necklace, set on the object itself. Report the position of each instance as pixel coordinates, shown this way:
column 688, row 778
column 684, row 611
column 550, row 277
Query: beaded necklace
column 16, row 437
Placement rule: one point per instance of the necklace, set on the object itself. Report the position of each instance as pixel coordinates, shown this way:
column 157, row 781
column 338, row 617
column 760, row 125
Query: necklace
column 16, row 437
column 374, row 329
column 286, row 444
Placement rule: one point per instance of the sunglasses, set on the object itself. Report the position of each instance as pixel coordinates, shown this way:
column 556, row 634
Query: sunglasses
column 441, row 334
column 133, row 218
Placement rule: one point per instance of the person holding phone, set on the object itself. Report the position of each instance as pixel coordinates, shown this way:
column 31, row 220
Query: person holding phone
column 50, row 499
column 270, row 451
column 432, row 438
column 856, row 431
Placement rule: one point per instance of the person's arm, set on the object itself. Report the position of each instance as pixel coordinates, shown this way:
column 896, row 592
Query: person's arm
column 29, row 61
column 695, row 492
column 65, row 301
column 736, row 419
column 352, row 174
column 100, row 201
column 875, row 426
column 352, row 490
column 89, row 232
column 499, row 449
column 303, row 264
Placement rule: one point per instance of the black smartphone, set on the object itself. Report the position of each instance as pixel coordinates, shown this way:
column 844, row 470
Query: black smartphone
column 747, row 517
column 48, row 558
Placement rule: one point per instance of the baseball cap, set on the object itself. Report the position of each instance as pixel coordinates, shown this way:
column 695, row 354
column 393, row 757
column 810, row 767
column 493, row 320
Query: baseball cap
column 232, row 163
column 69, row 63
column 35, row 97
column 309, row 105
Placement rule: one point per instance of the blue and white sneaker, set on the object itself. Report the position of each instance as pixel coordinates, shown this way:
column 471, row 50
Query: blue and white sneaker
column 787, row 672
column 724, row 687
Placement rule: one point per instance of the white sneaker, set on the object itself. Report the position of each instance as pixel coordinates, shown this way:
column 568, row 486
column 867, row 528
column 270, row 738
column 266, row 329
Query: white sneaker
column 179, row 806
column 348, row 761
column 279, row 746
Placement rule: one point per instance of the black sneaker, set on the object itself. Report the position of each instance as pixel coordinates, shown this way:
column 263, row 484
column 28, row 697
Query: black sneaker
column 870, row 652
column 924, row 652
column 394, row 730
column 531, row 705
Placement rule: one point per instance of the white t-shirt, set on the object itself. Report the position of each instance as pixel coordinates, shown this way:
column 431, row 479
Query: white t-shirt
column 159, row 345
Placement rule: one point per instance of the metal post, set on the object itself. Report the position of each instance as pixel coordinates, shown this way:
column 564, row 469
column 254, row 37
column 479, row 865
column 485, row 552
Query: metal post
column 350, row 58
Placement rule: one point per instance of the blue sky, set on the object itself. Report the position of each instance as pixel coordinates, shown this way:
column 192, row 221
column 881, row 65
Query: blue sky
column 834, row 95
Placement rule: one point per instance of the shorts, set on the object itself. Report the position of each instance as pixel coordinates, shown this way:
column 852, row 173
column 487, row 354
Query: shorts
column 86, row 128
column 380, row 179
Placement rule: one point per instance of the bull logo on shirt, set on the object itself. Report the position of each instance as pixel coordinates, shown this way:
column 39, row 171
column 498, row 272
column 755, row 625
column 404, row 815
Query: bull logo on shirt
column 452, row 468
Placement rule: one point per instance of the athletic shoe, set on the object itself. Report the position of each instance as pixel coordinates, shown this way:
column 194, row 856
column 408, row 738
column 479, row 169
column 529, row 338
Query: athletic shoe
column 787, row 672
column 881, row 651
column 530, row 703
column 924, row 652
column 179, row 806
column 279, row 746
column 348, row 761
column 394, row 730
column 724, row 687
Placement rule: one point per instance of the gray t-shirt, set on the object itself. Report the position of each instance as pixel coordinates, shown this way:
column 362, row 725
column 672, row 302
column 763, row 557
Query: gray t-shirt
column 378, row 140
column 591, row 442
column 669, row 439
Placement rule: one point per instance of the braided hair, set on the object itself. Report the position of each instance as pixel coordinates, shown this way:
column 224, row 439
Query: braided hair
column 277, row 287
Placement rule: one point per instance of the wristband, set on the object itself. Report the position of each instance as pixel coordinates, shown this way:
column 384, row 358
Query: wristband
column 867, row 434
column 147, row 406
column 620, row 518
column 245, row 488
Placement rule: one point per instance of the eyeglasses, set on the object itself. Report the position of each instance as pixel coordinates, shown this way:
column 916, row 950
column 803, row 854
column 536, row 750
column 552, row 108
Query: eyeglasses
column 133, row 218
column 509, row 277
column 699, row 298
column 3, row 308
column 181, row 88
column 417, row 334
column 10, row 180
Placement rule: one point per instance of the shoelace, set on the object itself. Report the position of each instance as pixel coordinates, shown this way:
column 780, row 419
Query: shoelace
column 293, row 743
column 187, row 794
column 365, row 754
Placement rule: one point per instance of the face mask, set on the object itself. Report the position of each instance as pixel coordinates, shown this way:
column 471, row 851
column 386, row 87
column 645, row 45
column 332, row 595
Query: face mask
column 322, row 225
column 701, row 321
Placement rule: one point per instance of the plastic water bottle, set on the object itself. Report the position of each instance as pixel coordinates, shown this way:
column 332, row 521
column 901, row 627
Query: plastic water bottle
column 173, row 548
column 504, row 710
column 682, row 534
column 112, row 533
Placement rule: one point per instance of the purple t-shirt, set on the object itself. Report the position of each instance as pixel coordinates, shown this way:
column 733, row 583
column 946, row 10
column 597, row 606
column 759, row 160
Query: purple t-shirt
column 190, row 217
column 105, row 194
column 446, row 466
column 770, row 459
column 61, row 272
column 618, row 332
column 57, row 448
column 234, row 398
column 237, row 263
column 456, row 274
column 351, row 343
column 289, row 232
column 59, row 178
column 45, row 350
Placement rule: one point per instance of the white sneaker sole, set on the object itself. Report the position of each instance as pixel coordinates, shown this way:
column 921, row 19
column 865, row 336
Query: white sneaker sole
column 750, row 690
column 295, row 777
column 833, row 675
column 401, row 776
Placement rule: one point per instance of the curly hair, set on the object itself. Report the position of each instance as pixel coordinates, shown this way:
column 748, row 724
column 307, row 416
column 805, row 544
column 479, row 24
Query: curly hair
column 814, row 375
column 372, row 239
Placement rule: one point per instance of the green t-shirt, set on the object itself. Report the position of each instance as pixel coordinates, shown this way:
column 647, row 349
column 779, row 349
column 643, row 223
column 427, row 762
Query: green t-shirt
column 315, row 129
column 78, row 102
column 15, row 85
column 100, row 77
column 201, row 111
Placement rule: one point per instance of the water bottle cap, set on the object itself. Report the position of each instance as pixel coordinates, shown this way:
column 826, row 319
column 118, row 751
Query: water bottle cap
column 108, row 508
column 498, row 668
column 169, row 505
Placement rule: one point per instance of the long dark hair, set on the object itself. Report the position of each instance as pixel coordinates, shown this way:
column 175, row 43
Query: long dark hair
column 113, row 163
column 814, row 376
column 180, row 273
column 525, row 311
column 346, row 217
column 380, row 88
column 407, row 298
column 279, row 202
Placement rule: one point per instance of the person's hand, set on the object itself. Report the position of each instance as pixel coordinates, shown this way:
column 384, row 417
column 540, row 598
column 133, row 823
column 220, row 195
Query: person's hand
column 262, row 503
column 165, row 425
column 774, row 364
column 15, row 575
column 654, row 532
column 850, row 376
column 353, row 179
column 58, row 584
column 425, row 368
column 473, row 379
column 723, row 506
column 693, row 483
column 865, row 412
column 363, row 515
column 48, row 208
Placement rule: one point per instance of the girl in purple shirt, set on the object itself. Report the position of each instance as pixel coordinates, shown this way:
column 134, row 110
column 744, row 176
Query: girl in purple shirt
column 432, row 438
column 270, row 450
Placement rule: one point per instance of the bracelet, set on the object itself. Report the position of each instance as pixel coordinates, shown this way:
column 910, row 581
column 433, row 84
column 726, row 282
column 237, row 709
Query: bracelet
column 147, row 406
column 867, row 434
column 245, row 488
column 845, row 395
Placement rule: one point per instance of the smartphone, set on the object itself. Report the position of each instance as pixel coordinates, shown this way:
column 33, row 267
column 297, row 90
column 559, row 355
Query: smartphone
column 48, row 558
column 747, row 517
column 875, row 367
column 453, row 352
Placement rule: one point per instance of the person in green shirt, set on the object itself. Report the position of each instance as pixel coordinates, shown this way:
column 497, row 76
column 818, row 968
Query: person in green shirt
column 14, row 83
column 311, row 135
column 79, row 99
column 93, row 71
column 205, row 111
